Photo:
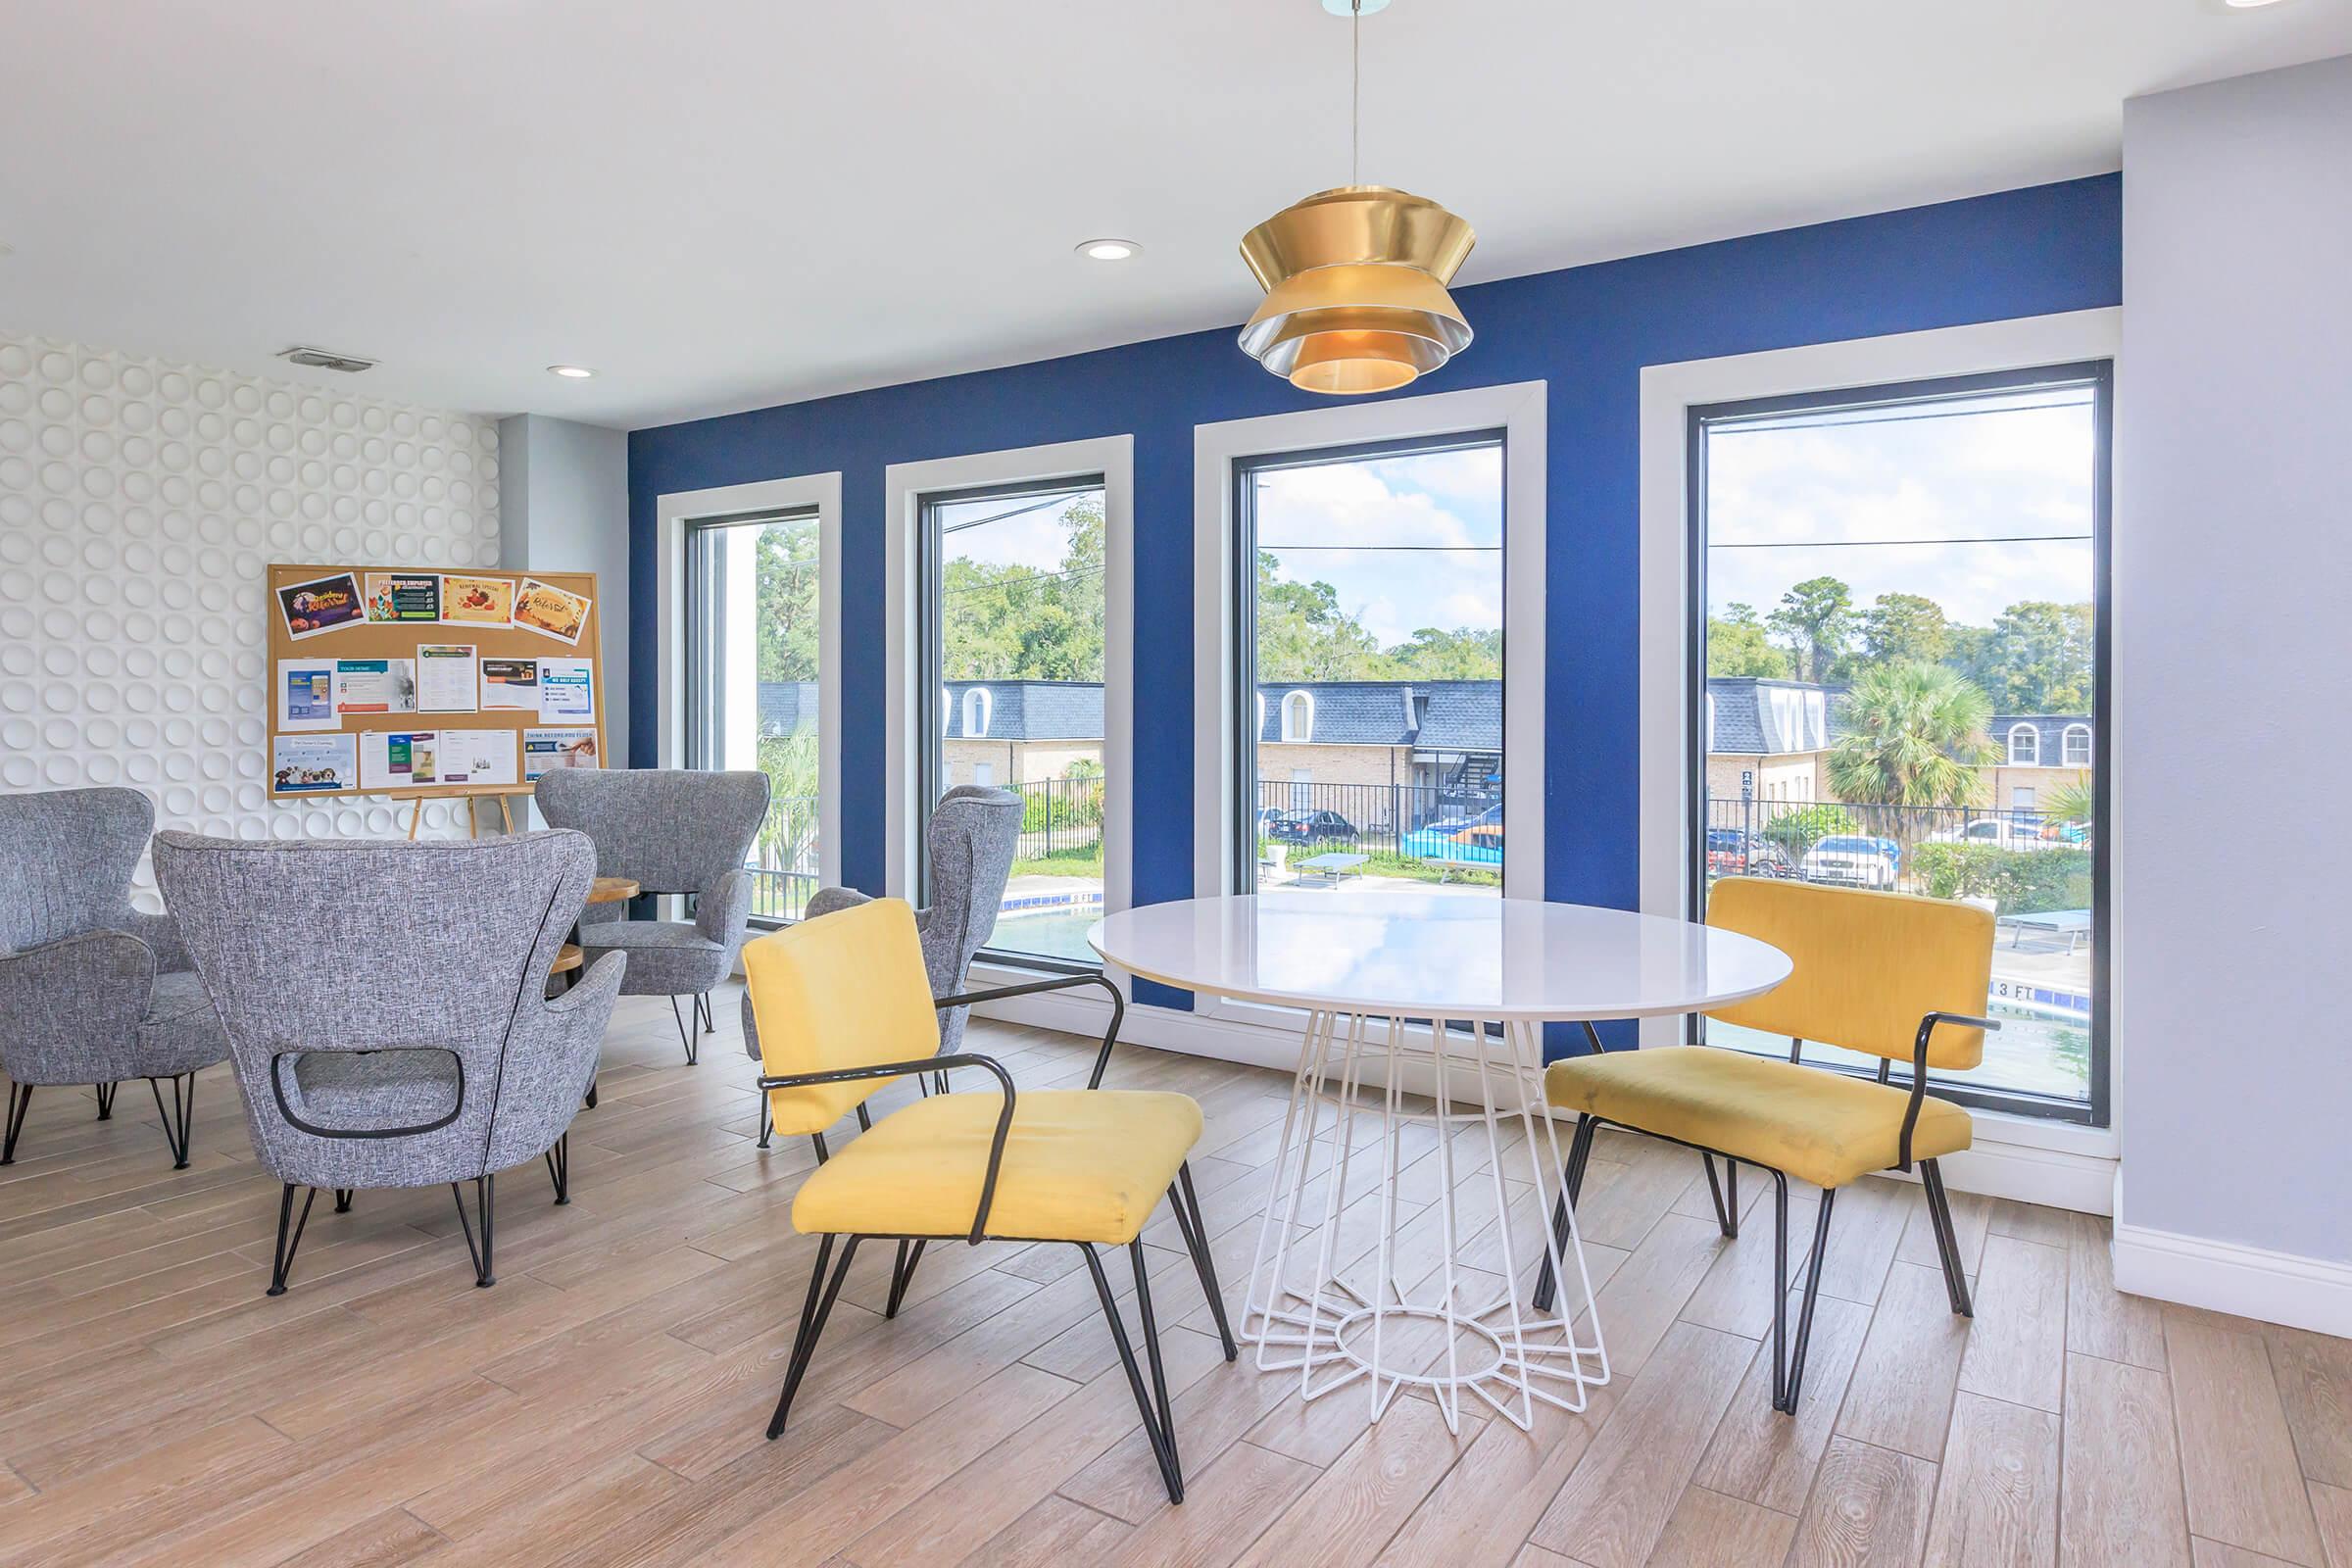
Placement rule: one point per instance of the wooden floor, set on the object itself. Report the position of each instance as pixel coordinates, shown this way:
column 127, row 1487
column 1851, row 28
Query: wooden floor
column 604, row 1402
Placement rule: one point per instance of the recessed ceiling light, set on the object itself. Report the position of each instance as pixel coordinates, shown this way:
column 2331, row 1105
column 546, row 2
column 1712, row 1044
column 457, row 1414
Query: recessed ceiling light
column 570, row 373
column 1109, row 249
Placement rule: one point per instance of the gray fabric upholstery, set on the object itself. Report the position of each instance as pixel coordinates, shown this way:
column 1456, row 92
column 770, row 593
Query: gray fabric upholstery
column 669, row 830
column 434, row 958
column 91, row 991
column 972, row 836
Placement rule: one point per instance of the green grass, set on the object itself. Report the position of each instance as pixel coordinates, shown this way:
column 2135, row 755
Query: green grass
column 1085, row 861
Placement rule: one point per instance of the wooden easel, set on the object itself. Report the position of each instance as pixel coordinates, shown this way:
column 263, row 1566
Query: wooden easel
column 500, row 793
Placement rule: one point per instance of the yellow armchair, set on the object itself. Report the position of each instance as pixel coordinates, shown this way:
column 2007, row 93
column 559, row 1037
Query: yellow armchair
column 844, row 1007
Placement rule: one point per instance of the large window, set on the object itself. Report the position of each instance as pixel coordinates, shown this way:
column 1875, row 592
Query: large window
column 1904, row 672
column 1011, row 638
column 1371, row 629
column 752, row 649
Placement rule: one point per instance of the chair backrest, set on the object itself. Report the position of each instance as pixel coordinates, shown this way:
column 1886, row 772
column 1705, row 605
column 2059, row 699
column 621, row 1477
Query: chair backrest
column 668, row 829
column 847, row 991
column 974, row 833
column 66, row 862
column 1868, row 966
column 372, row 943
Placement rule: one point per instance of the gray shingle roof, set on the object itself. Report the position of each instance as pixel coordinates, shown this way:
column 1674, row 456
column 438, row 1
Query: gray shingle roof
column 787, row 707
column 1749, row 716
column 1456, row 715
column 2051, row 729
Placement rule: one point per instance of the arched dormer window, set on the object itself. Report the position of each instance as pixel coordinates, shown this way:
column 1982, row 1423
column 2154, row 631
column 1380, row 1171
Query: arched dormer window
column 2076, row 745
column 976, row 703
column 1298, row 716
column 2024, row 745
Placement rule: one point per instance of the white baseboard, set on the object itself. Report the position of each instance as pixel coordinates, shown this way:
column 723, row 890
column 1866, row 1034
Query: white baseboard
column 2304, row 1292
column 2024, row 1167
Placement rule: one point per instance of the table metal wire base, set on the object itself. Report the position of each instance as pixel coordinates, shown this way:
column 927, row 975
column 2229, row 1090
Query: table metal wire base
column 1456, row 1330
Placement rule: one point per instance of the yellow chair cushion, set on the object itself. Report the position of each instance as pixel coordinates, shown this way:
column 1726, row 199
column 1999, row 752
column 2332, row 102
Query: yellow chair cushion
column 1819, row 1126
column 845, row 991
column 1081, row 1165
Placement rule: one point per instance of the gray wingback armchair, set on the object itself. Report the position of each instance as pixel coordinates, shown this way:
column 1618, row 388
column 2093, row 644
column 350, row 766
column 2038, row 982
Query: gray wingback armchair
column 92, row 991
column 669, row 830
column 971, row 838
column 385, row 1009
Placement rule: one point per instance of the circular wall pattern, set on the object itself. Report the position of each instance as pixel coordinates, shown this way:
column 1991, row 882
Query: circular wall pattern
column 170, row 487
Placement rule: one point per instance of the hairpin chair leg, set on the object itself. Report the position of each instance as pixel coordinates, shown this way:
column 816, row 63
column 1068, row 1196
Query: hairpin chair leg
column 1789, row 1361
column 177, row 1120
column 1947, row 1239
column 343, row 1200
column 485, row 1193
column 902, row 1274
column 558, row 1167
column 1572, row 1182
column 289, row 1236
column 106, row 1101
column 1196, row 1241
column 1152, row 1404
column 19, row 1101
column 1725, row 1194
column 589, row 1100
column 768, row 1122
column 685, row 1031
column 702, row 1007
column 813, row 1312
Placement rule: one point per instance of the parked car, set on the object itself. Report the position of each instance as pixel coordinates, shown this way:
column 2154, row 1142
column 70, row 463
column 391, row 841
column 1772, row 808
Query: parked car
column 1311, row 827
column 1730, row 854
column 1999, row 831
column 1854, row 860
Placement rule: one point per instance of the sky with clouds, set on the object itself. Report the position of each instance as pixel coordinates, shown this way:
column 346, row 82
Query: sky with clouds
column 1977, row 505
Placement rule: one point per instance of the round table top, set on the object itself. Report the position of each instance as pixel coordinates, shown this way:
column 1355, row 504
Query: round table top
column 611, row 889
column 1424, row 954
column 568, row 959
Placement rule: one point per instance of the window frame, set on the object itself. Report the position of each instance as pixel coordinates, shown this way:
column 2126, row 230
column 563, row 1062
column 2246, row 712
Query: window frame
column 2067, row 757
column 2032, row 735
column 2099, row 373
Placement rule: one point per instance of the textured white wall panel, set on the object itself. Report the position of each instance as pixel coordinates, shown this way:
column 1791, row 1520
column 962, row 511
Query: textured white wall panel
column 141, row 503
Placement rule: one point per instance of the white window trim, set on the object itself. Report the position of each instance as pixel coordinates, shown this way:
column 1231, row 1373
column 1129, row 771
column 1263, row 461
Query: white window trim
column 2016, row 1156
column 905, row 484
column 672, row 513
column 1292, row 734
column 1518, row 411
column 2032, row 734
column 2066, row 746
column 977, row 703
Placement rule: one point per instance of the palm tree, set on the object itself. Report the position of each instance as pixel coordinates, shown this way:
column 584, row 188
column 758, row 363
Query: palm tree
column 1915, row 735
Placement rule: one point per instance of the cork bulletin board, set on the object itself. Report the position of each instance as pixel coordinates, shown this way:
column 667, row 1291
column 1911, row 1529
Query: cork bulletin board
column 424, row 683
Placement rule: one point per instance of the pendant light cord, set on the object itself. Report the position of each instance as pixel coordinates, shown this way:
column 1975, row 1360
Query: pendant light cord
column 1356, row 92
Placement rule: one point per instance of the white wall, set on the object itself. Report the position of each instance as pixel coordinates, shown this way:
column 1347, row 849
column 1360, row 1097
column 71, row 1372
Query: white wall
column 2234, row 684
column 141, row 503
column 564, row 506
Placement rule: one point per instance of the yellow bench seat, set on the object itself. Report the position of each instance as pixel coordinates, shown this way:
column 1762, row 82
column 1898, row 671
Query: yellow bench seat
column 1080, row 1165
column 1818, row 1126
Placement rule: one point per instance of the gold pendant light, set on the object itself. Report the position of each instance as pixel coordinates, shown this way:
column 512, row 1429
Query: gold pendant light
column 1355, row 283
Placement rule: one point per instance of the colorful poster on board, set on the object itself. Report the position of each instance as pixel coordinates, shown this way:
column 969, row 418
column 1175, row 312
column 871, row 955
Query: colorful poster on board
column 403, row 596
column 375, row 686
column 475, row 756
column 312, row 764
column 319, row 606
column 445, row 679
column 566, row 690
column 305, row 694
column 547, row 749
column 551, row 611
column 509, row 683
column 397, row 760
column 476, row 600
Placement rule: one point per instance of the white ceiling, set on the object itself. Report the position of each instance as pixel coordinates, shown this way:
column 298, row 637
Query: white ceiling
column 721, row 204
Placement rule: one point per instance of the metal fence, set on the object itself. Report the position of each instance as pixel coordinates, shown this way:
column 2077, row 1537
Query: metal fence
column 783, row 859
column 1061, row 818
column 1370, row 818
column 2024, row 860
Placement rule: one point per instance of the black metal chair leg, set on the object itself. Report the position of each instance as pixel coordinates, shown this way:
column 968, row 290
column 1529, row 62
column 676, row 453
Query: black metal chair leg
column 1947, row 1239
column 813, row 1312
column 1725, row 1193
column 1196, row 1237
column 816, row 1141
column 106, row 1101
column 1145, row 1404
column 768, row 1122
column 289, row 1236
column 590, row 1100
column 1788, row 1380
column 558, row 1167
column 1572, row 1182
column 485, row 1195
column 864, row 1122
column 343, row 1200
column 177, row 1120
column 19, row 1101
column 702, row 1004
column 902, row 1275
column 685, row 1031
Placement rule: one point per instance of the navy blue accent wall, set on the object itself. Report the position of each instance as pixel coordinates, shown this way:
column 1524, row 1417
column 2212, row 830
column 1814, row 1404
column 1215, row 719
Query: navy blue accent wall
column 1588, row 331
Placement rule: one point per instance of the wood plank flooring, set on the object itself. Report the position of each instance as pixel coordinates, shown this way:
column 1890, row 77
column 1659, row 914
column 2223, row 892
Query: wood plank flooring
column 604, row 1402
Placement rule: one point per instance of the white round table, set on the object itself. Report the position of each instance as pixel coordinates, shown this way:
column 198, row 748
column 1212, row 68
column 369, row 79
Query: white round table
column 1404, row 991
